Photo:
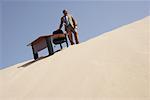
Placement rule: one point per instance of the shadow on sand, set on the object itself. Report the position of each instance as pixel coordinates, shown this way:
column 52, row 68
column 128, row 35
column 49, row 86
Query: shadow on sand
column 31, row 62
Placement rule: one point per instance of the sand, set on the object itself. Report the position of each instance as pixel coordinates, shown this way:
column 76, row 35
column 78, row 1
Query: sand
column 112, row 66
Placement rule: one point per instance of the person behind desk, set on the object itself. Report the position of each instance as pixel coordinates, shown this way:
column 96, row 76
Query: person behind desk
column 70, row 26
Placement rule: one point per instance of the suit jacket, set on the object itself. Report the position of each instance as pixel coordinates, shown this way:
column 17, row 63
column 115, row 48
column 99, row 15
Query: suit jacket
column 71, row 21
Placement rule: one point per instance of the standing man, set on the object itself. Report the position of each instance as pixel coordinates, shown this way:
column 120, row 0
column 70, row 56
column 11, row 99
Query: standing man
column 70, row 26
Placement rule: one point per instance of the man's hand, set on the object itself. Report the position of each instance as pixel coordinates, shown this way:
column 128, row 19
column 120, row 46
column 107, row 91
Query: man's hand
column 75, row 27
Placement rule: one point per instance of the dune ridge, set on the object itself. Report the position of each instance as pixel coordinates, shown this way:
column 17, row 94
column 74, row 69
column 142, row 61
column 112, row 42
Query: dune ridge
column 112, row 66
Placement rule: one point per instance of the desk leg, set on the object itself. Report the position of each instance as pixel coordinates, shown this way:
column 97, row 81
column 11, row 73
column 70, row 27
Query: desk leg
column 61, row 46
column 49, row 45
column 35, row 54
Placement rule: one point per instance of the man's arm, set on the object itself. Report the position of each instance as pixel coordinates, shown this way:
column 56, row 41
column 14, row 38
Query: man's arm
column 74, row 22
column 61, row 24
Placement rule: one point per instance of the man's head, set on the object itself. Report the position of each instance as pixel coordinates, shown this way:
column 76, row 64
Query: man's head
column 65, row 12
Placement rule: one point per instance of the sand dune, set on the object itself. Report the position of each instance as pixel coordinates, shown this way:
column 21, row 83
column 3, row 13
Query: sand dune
column 112, row 66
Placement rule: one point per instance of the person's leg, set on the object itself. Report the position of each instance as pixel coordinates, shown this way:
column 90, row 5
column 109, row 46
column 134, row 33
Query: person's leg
column 75, row 32
column 70, row 37
column 76, row 37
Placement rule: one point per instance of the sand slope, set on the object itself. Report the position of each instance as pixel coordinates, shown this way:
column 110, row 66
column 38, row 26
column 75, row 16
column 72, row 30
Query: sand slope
column 113, row 66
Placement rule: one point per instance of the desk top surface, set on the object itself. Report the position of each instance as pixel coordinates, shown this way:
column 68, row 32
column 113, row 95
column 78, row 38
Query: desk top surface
column 46, row 36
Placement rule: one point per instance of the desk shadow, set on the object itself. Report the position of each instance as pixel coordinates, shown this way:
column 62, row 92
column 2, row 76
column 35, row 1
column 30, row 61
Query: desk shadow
column 40, row 58
column 31, row 62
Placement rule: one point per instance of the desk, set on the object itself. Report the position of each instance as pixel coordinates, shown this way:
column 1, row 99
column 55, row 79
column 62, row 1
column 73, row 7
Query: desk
column 43, row 42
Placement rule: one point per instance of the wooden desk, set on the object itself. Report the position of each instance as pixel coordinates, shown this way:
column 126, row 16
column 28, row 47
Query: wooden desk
column 43, row 42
